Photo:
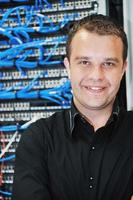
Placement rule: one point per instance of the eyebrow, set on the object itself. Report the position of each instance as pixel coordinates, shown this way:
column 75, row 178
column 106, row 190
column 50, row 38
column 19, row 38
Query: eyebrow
column 82, row 58
column 114, row 59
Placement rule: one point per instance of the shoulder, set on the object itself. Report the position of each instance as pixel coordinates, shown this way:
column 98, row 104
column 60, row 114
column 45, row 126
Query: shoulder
column 127, row 116
column 44, row 126
column 56, row 118
column 35, row 138
column 125, row 126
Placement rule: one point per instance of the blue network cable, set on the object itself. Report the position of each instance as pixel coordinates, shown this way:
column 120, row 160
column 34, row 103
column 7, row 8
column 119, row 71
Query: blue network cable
column 49, row 5
column 33, row 44
column 57, row 94
column 21, row 0
column 10, row 11
column 51, row 94
column 41, row 19
column 21, row 34
column 40, row 3
column 8, row 128
column 7, row 158
column 7, row 94
column 7, row 57
column 60, row 95
column 7, row 1
column 4, row 1
column 5, row 193
column 12, row 39
column 62, row 3
column 32, row 15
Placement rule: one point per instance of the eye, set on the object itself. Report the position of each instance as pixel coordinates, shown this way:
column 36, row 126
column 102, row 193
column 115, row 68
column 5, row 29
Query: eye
column 85, row 62
column 108, row 64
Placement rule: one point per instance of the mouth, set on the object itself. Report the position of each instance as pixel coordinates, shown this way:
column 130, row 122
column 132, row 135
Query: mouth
column 95, row 89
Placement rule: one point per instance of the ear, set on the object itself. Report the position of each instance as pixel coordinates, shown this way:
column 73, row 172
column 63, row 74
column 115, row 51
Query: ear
column 124, row 66
column 67, row 65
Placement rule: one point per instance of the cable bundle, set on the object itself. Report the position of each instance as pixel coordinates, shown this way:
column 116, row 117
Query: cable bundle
column 60, row 95
column 9, row 57
column 32, row 16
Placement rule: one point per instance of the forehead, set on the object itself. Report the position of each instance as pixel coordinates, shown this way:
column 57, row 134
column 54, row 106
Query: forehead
column 84, row 34
column 85, row 40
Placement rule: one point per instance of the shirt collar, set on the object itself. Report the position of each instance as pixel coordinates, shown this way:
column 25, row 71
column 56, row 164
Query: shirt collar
column 74, row 114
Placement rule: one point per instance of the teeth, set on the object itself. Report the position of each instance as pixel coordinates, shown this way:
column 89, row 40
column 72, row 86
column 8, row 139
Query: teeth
column 95, row 88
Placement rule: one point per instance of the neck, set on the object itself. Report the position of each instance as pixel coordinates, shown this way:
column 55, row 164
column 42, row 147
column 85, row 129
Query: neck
column 97, row 118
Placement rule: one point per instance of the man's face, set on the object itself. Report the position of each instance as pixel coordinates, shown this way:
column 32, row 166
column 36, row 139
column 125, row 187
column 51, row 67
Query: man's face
column 95, row 69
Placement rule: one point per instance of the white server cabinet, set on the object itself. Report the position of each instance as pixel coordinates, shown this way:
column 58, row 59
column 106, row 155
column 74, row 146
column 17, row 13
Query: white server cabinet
column 128, row 25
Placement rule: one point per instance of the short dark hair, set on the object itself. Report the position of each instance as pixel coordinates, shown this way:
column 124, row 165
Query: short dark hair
column 100, row 24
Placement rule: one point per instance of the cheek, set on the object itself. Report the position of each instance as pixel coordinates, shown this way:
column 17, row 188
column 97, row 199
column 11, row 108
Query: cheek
column 75, row 82
column 115, row 80
column 75, row 76
column 115, row 75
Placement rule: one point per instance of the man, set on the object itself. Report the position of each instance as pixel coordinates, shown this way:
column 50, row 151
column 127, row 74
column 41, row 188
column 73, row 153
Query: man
column 85, row 153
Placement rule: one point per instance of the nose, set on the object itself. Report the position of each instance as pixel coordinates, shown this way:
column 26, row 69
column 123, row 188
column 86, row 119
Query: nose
column 96, row 73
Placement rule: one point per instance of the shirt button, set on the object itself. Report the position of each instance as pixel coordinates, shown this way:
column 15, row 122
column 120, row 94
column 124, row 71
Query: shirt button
column 91, row 178
column 90, row 186
column 93, row 148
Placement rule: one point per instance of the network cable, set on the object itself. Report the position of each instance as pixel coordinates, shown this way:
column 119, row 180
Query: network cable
column 7, row 1
column 59, row 95
column 5, row 193
column 21, row 0
column 7, row 57
column 51, row 28
column 22, row 127
column 11, row 11
column 7, row 158
column 40, row 3
column 62, row 2
column 12, row 39
column 32, row 15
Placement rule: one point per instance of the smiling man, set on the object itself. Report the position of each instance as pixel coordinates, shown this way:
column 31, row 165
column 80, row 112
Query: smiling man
column 86, row 152
column 95, row 67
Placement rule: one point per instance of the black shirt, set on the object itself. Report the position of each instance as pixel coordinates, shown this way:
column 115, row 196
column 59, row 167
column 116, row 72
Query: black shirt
column 61, row 158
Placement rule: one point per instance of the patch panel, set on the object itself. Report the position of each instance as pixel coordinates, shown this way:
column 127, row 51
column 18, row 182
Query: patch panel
column 84, row 4
column 7, row 198
column 6, row 76
column 7, row 179
column 53, row 83
column 20, row 106
column 23, row 116
column 12, row 148
column 5, row 46
column 67, row 6
column 54, row 73
column 12, row 106
column 8, row 169
column 8, row 136
column 64, row 72
column 6, row 107
column 25, row 106
column 55, row 7
column 16, row 85
column 4, row 117
column 56, row 51
column 30, row 74
column 52, row 51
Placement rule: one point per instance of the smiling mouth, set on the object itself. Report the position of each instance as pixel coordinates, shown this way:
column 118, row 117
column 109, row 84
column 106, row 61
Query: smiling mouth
column 95, row 89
